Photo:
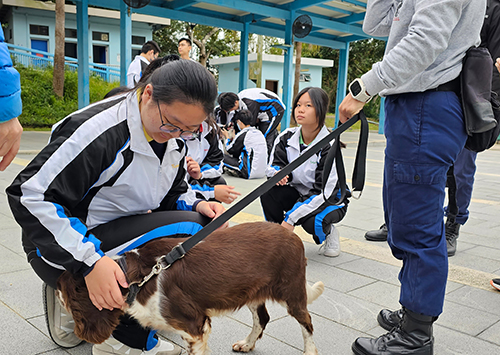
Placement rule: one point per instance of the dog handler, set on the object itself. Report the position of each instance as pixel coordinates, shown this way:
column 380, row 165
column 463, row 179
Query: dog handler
column 425, row 131
column 88, row 194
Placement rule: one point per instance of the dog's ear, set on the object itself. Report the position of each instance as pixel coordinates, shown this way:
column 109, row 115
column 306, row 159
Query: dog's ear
column 91, row 325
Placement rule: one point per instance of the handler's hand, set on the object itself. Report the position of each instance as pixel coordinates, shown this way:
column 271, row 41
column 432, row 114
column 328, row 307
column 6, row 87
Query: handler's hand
column 102, row 283
column 283, row 181
column 287, row 226
column 349, row 108
column 211, row 210
column 225, row 193
column 10, row 140
column 193, row 168
column 497, row 64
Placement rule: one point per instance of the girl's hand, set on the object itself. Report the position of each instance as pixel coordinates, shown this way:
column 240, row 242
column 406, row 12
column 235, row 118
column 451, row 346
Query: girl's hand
column 193, row 168
column 211, row 210
column 497, row 64
column 102, row 283
column 283, row 181
column 287, row 226
column 225, row 193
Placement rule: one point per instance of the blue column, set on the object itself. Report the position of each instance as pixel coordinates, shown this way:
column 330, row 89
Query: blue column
column 82, row 25
column 288, row 73
column 243, row 77
column 125, row 41
column 342, row 80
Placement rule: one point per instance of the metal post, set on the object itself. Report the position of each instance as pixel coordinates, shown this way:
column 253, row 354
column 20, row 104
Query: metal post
column 381, row 116
column 82, row 25
column 287, row 73
column 243, row 75
column 342, row 80
column 125, row 41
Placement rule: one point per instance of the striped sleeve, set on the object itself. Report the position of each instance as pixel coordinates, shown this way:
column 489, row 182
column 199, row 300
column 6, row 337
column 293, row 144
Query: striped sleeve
column 45, row 194
column 211, row 166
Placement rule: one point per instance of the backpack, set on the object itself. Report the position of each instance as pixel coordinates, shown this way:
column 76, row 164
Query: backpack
column 480, row 104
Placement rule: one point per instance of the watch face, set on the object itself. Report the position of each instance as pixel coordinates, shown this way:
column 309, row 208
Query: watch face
column 355, row 88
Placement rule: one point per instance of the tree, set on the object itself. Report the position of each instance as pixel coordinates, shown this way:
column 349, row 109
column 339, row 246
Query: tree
column 298, row 59
column 58, row 79
column 202, row 43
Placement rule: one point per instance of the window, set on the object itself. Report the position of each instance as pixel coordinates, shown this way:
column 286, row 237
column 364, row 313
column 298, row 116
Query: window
column 70, row 33
column 138, row 40
column 39, row 30
column 135, row 52
column 305, row 77
column 100, row 36
column 71, row 50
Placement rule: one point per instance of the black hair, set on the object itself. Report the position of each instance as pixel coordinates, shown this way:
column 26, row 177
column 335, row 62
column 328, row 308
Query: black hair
column 319, row 99
column 183, row 81
column 116, row 91
column 146, row 47
column 155, row 64
column 245, row 116
column 185, row 39
column 227, row 100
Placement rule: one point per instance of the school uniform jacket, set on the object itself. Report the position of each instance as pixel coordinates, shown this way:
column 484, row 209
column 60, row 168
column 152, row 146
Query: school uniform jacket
column 264, row 104
column 207, row 151
column 135, row 70
column 250, row 148
column 97, row 167
column 307, row 178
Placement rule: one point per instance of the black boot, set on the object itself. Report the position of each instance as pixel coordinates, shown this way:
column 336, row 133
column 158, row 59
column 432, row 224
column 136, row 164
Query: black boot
column 412, row 337
column 451, row 229
column 379, row 235
column 389, row 319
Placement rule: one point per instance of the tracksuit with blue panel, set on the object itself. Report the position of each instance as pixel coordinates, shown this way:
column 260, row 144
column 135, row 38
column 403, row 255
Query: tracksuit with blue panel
column 302, row 201
column 10, row 93
column 88, row 192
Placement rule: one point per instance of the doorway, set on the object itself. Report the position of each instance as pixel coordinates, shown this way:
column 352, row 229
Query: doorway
column 272, row 85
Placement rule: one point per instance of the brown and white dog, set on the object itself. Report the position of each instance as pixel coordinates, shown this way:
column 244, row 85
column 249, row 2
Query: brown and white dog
column 242, row 265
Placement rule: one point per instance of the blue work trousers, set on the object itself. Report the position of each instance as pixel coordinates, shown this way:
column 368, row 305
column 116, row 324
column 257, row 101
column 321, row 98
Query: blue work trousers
column 424, row 132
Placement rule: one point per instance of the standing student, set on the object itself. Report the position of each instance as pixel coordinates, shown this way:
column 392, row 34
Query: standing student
column 184, row 46
column 246, row 152
column 425, row 132
column 149, row 52
column 88, row 195
column 11, row 107
column 299, row 198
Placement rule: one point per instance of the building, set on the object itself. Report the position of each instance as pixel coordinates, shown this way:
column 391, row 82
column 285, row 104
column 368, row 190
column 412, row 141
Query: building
column 271, row 73
column 31, row 24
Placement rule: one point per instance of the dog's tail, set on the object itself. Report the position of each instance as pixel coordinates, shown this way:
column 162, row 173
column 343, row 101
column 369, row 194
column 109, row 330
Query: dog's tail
column 314, row 291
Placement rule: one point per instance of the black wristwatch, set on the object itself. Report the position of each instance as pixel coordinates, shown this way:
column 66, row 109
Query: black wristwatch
column 358, row 91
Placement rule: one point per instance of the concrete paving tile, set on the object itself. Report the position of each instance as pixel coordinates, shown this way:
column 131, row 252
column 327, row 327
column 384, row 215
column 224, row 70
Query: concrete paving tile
column 452, row 286
column 476, row 298
column 311, row 251
column 17, row 336
column 465, row 319
column 382, row 293
column 275, row 310
column 373, row 269
column 8, row 222
column 338, row 279
column 11, row 261
column 492, row 334
column 10, row 238
column 346, row 310
column 484, row 252
column 451, row 342
column 22, row 292
column 474, row 262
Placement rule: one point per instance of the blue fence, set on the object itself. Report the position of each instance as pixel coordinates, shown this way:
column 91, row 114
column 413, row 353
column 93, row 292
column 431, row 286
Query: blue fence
column 35, row 58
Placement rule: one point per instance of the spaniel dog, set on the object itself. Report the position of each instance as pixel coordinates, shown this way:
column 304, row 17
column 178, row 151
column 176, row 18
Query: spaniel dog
column 247, row 264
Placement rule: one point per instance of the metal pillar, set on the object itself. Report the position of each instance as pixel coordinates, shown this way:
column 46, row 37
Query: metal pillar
column 243, row 77
column 288, row 73
column 82, row 25
column 342, row 80
column 125, row 41
column 381, row 116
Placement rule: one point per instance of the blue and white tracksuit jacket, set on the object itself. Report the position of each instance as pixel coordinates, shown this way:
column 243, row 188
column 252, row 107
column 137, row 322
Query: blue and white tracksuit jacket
column 97, row 167
column 307, row 178
column 249, row 147
column 10, row 85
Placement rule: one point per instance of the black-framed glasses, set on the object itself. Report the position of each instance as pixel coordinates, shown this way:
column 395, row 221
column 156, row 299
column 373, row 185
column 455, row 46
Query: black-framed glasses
column 171, row 128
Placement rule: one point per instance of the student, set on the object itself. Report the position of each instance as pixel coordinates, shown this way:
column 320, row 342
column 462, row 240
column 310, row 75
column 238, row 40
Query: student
column 246, row 152
column 88, row 195
column 228, row 104
column 184, row 46
column 298, row 198
column 149, row 52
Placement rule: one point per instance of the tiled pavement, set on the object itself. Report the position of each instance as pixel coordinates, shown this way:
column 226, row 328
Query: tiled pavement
column 361, row 281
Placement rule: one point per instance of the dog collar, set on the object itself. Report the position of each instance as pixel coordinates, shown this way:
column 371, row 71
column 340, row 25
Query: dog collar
column 133, row 289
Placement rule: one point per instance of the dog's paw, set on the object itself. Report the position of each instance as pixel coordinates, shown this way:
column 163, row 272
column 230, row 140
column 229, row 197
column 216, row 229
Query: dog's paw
column 243, row 347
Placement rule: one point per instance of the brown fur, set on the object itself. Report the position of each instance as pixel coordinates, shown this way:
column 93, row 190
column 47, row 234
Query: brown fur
column 242, row 265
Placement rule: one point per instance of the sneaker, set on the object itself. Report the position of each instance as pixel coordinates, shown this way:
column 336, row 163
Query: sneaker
column 495, row 283
column 59, row 322
column 331, row 245
column 113, row 346
column 451, row 233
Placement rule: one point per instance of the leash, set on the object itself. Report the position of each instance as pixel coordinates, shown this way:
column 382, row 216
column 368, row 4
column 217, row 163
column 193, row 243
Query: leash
column 358, row 180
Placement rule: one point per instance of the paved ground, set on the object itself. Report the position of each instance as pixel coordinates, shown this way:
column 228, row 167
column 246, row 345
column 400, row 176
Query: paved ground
column 361, row 281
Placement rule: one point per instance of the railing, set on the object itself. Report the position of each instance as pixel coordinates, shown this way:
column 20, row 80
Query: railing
column 35, row 58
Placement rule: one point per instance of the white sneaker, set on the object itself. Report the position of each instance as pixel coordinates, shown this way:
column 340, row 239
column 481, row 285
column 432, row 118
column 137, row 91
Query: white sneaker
column 113, row 346
column 331, row 245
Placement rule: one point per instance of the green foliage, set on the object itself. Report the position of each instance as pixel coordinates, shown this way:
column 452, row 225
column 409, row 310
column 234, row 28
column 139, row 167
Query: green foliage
column 41, row 107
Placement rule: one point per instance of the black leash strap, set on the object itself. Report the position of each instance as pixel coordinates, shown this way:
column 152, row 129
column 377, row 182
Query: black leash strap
column 357, row 181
